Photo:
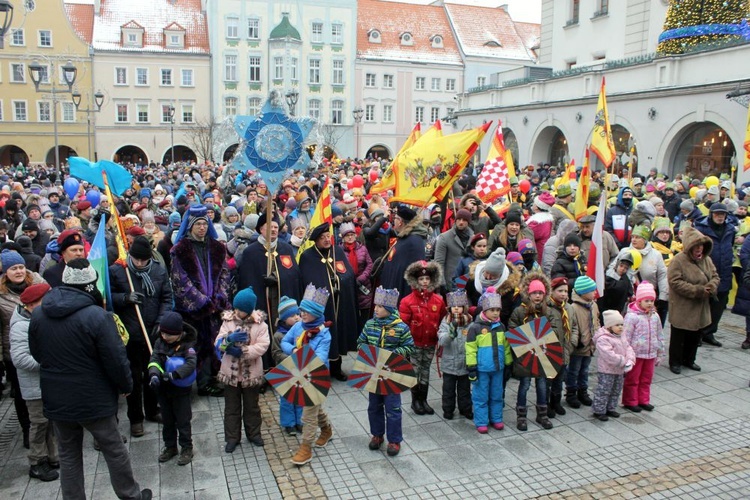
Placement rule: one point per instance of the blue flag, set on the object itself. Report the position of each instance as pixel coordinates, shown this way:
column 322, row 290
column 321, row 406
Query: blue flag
column 98, row 260
column 118, row 177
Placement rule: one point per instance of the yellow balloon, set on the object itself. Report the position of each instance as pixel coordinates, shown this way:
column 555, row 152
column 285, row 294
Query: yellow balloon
column 710, row 181
column 693, row 191
column 637, row 259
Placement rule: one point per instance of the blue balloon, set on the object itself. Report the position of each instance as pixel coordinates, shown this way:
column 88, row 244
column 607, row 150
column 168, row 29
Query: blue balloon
column 93, row 196
column 70, row 186
column 174, row 363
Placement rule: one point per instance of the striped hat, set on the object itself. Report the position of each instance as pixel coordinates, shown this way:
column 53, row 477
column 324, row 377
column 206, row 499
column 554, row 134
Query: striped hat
column 584, row 285
column 287, row 308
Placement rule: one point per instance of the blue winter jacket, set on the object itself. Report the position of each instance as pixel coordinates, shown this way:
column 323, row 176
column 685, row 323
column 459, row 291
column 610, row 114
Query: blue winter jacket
column 722, row 254
column 320, row 343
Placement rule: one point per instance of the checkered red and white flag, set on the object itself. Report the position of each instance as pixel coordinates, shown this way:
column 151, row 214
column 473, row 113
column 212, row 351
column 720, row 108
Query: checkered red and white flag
column 494, row 181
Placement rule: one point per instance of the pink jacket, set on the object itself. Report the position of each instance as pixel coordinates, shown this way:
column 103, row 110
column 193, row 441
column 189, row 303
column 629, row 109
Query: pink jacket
column 644, row 333
column 246, row 371
column 612, row 352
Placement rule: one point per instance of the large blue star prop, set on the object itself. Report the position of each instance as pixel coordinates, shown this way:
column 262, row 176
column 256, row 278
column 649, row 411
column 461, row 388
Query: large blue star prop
column 272, row 142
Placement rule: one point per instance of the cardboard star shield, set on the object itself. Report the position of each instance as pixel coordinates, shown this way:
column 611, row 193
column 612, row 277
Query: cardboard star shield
column 382, row 372
column 302, row 378
column 537, row 348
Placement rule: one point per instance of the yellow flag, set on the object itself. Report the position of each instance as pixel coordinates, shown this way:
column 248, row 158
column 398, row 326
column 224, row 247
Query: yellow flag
column 321, row 214
column 388, row 181
column 122, row 253
column 435, row 131
column 428, row 169
column 746, row 166
column 601, row 137
column 494, row 181
column 582, row 191
column 570, row 172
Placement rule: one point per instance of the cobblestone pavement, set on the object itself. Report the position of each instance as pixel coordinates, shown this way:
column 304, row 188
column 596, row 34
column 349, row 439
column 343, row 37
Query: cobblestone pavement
column 695, row 444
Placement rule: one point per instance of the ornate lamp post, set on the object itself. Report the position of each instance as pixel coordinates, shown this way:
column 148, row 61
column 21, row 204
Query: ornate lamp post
column 6, row 13
column 291, row 100
column 357, row 113
column 99, row 101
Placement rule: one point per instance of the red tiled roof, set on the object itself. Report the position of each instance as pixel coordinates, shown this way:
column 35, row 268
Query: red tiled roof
column 392, row 19
column 81, row 17
column 480, row 29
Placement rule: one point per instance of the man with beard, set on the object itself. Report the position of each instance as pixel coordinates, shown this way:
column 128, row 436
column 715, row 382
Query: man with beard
column 70, row 247
column 616, row 220
column 434, row 220
column 327, row 266
column 586, row 231
column 409, row 248
column 451, row 246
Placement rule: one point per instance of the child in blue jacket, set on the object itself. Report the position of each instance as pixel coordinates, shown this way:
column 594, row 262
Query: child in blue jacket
column 290, row 415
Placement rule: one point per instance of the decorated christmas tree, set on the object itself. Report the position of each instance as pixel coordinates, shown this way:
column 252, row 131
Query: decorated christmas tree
column 692, row 24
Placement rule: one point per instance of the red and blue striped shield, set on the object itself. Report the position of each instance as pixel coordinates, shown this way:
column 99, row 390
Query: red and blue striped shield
column 302, row 378
column 537, row 348
column 381, row 371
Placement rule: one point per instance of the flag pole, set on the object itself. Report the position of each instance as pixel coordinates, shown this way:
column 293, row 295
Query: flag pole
column 138, row 312
column 269, row 219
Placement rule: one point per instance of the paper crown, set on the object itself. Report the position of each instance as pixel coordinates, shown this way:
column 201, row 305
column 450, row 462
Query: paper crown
column 317, row 295
column 386, row 297
column 457, row 298
column 490, row 300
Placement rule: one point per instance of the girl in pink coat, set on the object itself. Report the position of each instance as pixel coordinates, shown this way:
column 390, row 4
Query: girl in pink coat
column 614, row 357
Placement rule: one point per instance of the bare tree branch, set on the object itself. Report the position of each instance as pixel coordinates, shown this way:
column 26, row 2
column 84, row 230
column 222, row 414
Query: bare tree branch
column 201, row 137
column 331, row 134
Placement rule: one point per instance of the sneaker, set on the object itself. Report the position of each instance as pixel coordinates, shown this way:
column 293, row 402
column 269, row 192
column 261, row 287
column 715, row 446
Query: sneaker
column 257, row 441
column 186, row 456
column 290, row 431
column 167, row 454
column 53, row 465
column 43, row 472
column 393, row 449
column 647, row 407
column 375, row 443
column 230, row 446
column 498, row 426
column 634, row 409
column 613, row 414
column 482, row 429
column 601, row 416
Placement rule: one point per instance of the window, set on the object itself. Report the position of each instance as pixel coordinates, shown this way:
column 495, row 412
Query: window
column 44, row 74
column 387, row 81
column 143, row 113
column 481, row 80
column 338, row 72
column 434, row 115
column 278, row 68
column 253, row 29
column 187, row 113
column 68, row 112
column 166, row 77
column 18, row 37
column 253, row 106
column 187, row 77
column 17, row 73
column 174, row 40
column 293, row 69
column 419, row 114
column 233, row 27
column 374, row 36
column 44, row 111
column 165, row 118
column 337, row 33
column 450, row 84
column 121, row 76
column 314, row 71
column 253, row 63
column 435, row 85
column 406, row 39
column 314, row 108
column 230, row 106
column 437, row 42
column 370, row 80
column 1, row 111
column 132, row 39
column 337, row 112
column 575, row 12
column 388, row 113
column 122, row 113
column 420, row 83
column 45, row 38
column 230, row 68
column 141, row 76
column 317, row 32
column 449, row 111
column 369, row 112
column 19, row 111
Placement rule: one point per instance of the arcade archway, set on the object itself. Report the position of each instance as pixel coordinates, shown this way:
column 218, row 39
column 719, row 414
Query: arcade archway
column 181, row 154
column 378, row 152
column 13, row 155
column 130, row 154
column 229, row 152
column 703, row 149
column 65, row 152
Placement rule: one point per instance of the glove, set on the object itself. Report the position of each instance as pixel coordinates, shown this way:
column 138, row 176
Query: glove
column 473, row 374
column 154, row 383
column 237, row 336
column 134, row 298
column 628, row 367
column 234, row 351
column 270, row 280
column 452, row 331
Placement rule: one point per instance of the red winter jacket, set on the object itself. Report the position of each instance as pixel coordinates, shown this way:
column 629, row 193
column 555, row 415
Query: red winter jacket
column 422, row 311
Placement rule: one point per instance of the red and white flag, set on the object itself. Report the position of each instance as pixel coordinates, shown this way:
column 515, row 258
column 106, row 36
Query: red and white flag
column 494, row 181
column 595, row 270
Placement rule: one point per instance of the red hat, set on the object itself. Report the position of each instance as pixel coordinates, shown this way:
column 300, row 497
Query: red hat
column 68, row 238
column 83, row 205
column 557, row 282
column 135, row 231
column 164, row 203
column 33, row 293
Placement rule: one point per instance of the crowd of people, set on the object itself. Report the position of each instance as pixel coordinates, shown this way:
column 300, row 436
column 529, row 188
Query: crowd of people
column 218, row 287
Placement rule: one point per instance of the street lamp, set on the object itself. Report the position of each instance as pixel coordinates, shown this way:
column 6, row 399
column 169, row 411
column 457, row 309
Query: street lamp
column 171, row 130
column 291, row 100
column 357, row 113
column 6, row 10
column 39, row 75
column 99, row 101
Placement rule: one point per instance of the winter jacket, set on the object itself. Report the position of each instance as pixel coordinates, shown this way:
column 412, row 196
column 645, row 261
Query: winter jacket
column 194, row 295
column 617, row 222
column 449, row 250
column 568, row 266
column 320, row 343
column 617, row 291
column 608, row 253
column 376, row 236
column 8, row 302
column 612, row 352
column 409, row 248
column 183, row 348
column 722, row 254
column 742, row 300
column 554, row 244
column 246, row 371
column 672, row 205
column 152, row 307
column 364, row 269
column 487, row 349
column 388, row 333
column 587, row 317
column 422, row 312
column 541, row 225
column 499, row 238
column 452, row 339
column 555, row 318
column 689, row 302
column 463, row 266
column 84, row 366
column 653, row 270
column 644, row 333
column 26, row 366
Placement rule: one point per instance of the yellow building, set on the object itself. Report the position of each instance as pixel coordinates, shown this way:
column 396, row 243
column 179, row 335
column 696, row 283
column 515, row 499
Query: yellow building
column 43, row 34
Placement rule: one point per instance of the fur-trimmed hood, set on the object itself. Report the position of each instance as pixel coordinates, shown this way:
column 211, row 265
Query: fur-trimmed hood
column 526, row 281
column 414, row 271
column 415, row 226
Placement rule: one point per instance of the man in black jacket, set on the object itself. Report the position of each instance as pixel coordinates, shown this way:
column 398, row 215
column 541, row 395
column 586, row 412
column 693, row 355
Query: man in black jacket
column 152, row 293
column 84, row 369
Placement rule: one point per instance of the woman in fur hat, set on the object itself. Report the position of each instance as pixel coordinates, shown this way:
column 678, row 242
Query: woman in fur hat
column 422, row 310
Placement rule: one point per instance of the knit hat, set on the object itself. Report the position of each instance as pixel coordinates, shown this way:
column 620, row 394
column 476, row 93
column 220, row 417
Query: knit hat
column 584, row 285
column 174, row 220
column 230, row 211
column 10, row 258
column 287, row 308
column 346, row 228
column 662, row 224
column 513, row 216
column 558, row 282
column 245, row 300
column 457, row 298
column 642, row 231
column 713, row 190
column 490, row 300
column 68, row 238
column 463, row 214
column 544, row 201
column 526, row 246
column 386, row 298
column 645, row 291
column 24, row 242
column 140, row 248
column 495, row 263
column 47, row 225
column 171, row 323
column 336, row 210
column 147, row 216
column 612, row 318
column 314, row 301
column 687, row 205
column 564, row 190
column 655, row 200
column 514, row 258
column 296, row 222
column 78, row 273
column 34, row 293
column 537, row 286
column 251, row 221
column 30, row 225
column 572, row 239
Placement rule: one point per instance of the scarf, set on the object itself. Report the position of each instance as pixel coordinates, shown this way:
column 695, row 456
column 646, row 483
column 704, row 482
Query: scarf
column 262, row 241
column 296, row 241
column 565, row 317
column 16, row 288
column 384, row 324
column 460, row 319
column 142, row 273
column 311, row 329
column 351, row 253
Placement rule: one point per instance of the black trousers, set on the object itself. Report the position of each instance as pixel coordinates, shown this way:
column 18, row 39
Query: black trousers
column 683, row 346
column 241, row 408
column 453, row 384
column 142, row 398
column 718, row 307
column 176, row 414
column 21, row 411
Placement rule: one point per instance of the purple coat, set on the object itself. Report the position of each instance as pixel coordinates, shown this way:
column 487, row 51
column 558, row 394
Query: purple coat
column 364, row 266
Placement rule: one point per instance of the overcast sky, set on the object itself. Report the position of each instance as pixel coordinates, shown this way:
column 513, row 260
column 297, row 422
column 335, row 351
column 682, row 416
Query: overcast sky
column 529, row 11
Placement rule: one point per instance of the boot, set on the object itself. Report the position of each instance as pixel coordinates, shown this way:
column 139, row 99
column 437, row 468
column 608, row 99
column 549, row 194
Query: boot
column 551, row 413
column 416, row 401
column 583, row 397
column 167, row 454
column 424, row 389
column 746, row 342
column 43, row 472
column 26, row 443
column 555, row 402
column 326, row 434
column 711, row 340
column 542, row 418
column 186, row 456
column 571, row 397
column 336, row 371
column 521, row 413
column 303, row 455
column 136, row 429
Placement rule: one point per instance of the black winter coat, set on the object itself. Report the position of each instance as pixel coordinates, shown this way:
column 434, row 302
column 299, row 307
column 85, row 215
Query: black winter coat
column 152, row 308
column 567, row 266
column 408, row 249
column 183, row 348
column 84, row 366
